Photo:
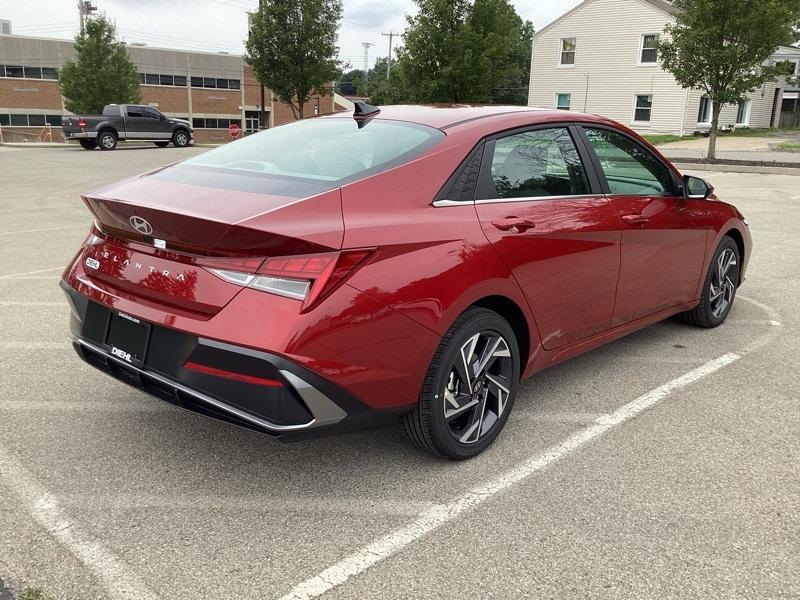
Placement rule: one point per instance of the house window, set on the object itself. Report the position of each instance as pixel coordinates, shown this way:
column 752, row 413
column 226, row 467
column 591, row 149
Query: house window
column 568, row 46
column 643, row 108
column 563, row 101
column 743, row 113
column 704, row 114
column 649, row 53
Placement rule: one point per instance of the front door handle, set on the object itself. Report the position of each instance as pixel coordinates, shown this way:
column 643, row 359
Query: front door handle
column 635, row 219
column 515, row 224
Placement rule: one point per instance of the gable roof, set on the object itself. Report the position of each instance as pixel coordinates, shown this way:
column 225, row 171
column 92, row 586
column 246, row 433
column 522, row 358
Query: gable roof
column 662, row 5
column 667, row 7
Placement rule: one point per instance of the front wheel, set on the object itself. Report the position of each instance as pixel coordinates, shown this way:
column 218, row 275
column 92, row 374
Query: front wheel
column 180, row 138
column 719, row 289
column 469, row 388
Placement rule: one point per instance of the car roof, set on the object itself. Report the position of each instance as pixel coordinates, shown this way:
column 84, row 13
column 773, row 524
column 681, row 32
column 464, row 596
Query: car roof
column 444, row 116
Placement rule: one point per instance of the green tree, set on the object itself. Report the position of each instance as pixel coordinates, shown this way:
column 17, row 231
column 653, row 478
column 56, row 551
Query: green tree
column 292, row 48
column 102, row 72
column 722, row 47
column 462, row 51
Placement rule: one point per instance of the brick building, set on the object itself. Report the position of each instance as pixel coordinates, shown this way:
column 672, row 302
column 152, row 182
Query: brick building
column 209, row 89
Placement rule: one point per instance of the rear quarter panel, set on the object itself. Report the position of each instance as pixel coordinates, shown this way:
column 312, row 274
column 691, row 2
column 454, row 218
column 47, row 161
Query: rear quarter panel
column 432, row 263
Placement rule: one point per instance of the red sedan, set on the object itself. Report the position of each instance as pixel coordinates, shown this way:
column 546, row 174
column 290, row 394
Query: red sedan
column 411, row 262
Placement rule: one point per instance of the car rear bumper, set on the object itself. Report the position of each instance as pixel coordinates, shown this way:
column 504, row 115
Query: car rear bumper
column 295, row 404
column 80, row 135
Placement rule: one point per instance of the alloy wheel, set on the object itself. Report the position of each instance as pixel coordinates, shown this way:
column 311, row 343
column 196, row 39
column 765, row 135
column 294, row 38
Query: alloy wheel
column 181, row 139
column 108, row 141
column 478, row 387
column 723, row 287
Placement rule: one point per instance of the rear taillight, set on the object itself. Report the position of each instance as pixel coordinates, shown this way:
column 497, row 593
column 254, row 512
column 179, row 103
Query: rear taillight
column 306, row 278
column 81, row 123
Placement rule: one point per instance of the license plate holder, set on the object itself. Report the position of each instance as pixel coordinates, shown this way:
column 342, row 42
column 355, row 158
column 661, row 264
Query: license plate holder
column 127, row 338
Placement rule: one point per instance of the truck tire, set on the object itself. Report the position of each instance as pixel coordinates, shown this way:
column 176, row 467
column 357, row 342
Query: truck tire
column 161, row 144
column 180, row 138
column 107, row 139
column 88, row 144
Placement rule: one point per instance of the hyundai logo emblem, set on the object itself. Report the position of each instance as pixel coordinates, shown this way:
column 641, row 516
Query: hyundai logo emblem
column 141, row 225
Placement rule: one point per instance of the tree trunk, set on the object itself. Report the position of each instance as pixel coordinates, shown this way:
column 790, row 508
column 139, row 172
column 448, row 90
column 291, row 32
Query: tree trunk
column 712, row 138
column 300, row 107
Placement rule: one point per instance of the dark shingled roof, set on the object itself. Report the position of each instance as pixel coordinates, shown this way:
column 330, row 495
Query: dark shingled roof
column 664, row 5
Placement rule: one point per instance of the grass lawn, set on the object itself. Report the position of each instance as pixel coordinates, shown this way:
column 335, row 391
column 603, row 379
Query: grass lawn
column 791, row 146
column 658, row 139
column 758, row 132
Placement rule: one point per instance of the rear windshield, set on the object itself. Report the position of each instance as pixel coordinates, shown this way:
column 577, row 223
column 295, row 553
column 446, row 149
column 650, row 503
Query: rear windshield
column 112, row 110
column 331, row 150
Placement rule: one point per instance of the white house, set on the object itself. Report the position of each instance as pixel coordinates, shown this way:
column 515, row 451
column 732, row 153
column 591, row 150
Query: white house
column 600, row 58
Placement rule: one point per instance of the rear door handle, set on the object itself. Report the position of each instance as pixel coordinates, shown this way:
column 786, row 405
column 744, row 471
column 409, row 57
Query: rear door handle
column 635, row 219
column 515, row 224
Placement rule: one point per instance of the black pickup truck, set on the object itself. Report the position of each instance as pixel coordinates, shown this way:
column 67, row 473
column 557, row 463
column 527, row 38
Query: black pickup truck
column 131, row 122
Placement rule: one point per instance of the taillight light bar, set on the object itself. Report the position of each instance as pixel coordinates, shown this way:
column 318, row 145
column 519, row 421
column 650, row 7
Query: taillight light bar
column 306, row 278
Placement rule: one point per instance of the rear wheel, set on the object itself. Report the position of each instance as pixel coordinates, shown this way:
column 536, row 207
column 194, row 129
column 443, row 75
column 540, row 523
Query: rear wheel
column 161, row 144
column 180, row 138
column 469, row 388
column 719, row 289
column 107, row 140
column 88, row 144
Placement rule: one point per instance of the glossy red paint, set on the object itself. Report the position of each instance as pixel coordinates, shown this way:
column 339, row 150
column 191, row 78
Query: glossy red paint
column 583, row 275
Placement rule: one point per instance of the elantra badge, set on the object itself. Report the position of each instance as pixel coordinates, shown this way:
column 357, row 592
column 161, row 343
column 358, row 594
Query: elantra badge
column 141, row 225
column 92, row 263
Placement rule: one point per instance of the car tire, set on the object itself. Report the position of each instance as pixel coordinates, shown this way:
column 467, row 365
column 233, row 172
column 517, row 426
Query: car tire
column 88, row 144
column 459, row 414
column 161, row 144
column 107, row 140
column 180, row 138
column 719, row 288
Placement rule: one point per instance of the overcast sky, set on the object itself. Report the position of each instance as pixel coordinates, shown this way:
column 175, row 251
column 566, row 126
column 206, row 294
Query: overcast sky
column 221, row 25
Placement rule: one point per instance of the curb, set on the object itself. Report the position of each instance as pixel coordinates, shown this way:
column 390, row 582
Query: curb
column 764, row 169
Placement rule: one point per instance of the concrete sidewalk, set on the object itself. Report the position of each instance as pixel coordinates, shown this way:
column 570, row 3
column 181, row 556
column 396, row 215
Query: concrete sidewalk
column 766, row 157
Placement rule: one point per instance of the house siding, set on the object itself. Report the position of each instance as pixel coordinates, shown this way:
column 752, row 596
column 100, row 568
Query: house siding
column 607, row 75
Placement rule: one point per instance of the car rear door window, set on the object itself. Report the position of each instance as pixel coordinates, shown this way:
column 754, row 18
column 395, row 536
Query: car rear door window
column 630, row 169
column 537, row 163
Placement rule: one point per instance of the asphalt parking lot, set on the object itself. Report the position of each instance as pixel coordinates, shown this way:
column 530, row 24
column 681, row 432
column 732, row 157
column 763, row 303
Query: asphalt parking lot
column 664, row 465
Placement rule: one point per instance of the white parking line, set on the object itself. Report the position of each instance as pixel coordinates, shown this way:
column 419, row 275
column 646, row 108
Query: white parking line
column 118, row 580
column 42, row 229
column 32, row 303
column 12, row 275
column 35, row 345
column 260, row 503
column 437, row 516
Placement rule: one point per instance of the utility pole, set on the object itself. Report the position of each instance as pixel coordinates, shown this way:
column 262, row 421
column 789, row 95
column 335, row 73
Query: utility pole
column 366, row 46
column 85, row 8
column 390, row 35
column 263, row 115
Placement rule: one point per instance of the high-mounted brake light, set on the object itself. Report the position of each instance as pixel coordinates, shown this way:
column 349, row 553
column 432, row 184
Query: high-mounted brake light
column 307, row 278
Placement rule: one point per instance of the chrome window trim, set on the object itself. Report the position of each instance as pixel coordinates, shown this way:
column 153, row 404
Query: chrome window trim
column 446, row 203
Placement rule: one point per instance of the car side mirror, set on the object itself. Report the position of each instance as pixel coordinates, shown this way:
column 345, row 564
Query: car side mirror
column 695, row 188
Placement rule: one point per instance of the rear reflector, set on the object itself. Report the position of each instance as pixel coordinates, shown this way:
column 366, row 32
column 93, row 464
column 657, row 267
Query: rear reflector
column 233, row 376
column 307, row 278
